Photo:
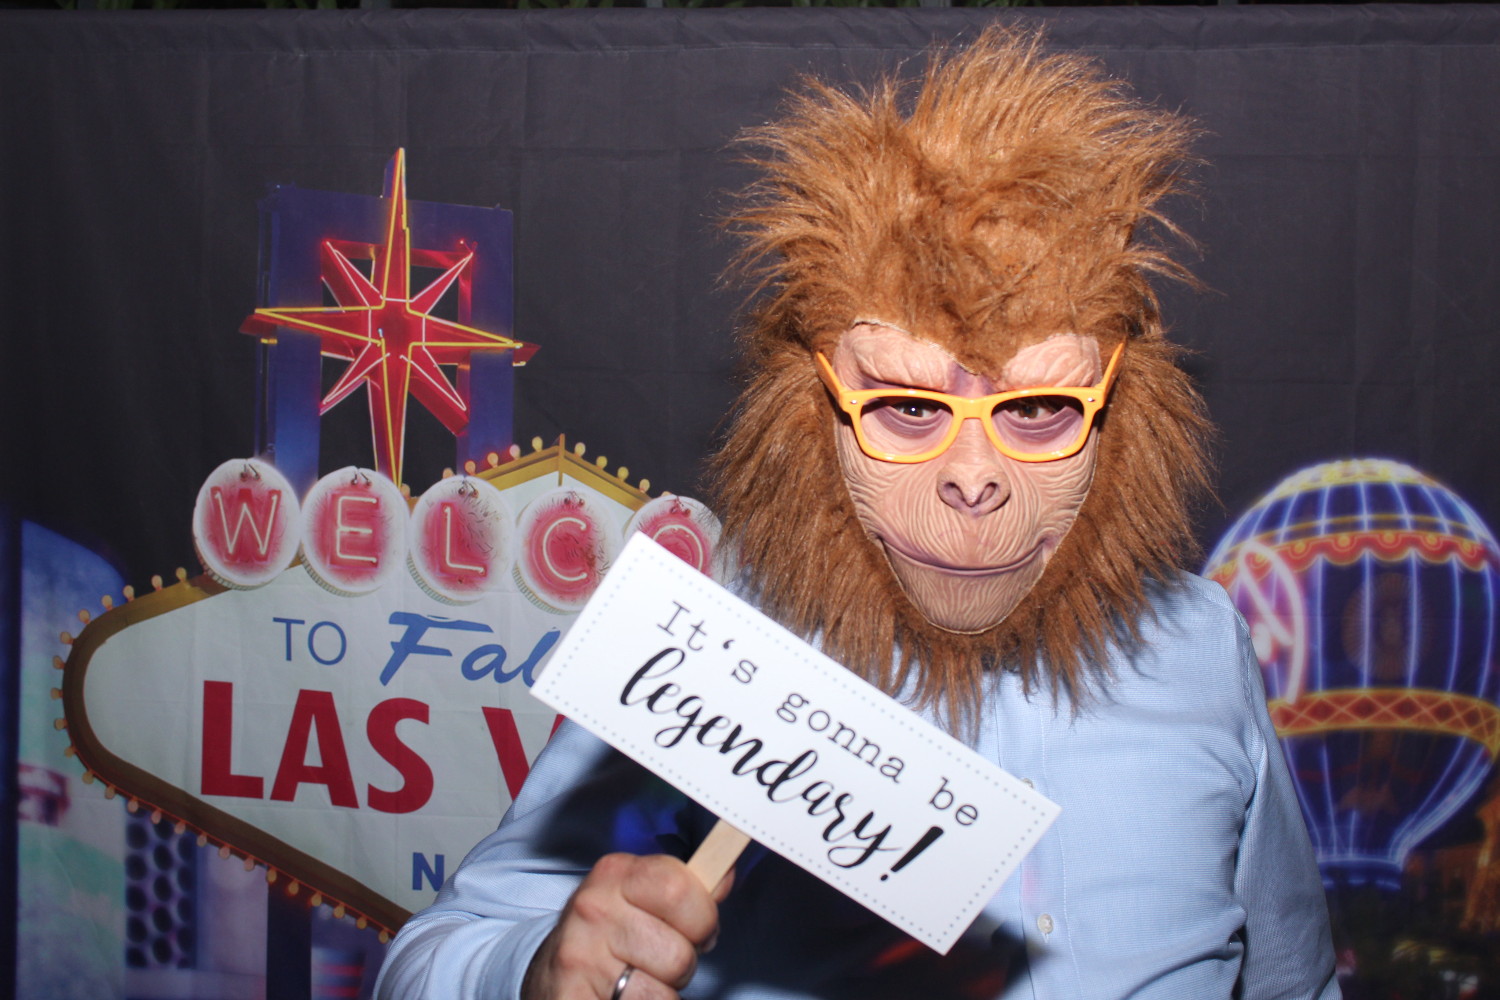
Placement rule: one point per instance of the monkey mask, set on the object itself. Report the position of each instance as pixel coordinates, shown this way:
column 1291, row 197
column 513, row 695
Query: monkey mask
column 963, row 444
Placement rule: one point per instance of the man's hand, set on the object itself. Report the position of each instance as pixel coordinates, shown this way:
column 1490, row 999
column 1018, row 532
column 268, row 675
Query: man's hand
column 650, row 913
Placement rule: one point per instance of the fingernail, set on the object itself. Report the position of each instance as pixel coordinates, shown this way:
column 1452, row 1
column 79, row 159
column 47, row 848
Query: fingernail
column 708, row 946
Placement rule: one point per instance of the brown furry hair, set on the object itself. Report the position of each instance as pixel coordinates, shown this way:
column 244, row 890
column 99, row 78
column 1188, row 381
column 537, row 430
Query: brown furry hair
column 1012, row 198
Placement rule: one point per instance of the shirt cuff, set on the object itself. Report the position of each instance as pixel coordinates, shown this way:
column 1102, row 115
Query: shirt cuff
column 521, row 943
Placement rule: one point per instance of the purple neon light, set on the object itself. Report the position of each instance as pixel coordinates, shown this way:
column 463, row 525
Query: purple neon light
column 1370, row 795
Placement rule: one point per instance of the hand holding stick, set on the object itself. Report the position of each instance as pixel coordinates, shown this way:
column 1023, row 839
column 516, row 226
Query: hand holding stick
column 637, row 924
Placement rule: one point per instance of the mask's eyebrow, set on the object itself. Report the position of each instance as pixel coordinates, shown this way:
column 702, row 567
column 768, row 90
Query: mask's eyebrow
column 911, row 368
column 1062, row 360
column 902, row 373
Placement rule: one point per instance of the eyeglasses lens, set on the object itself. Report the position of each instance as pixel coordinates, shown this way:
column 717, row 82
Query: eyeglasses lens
column 1039, row 425
column 902, row 425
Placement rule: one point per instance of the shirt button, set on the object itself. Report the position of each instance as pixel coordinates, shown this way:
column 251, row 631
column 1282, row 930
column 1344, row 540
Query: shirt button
column 1028, row 783
column 1044, row 923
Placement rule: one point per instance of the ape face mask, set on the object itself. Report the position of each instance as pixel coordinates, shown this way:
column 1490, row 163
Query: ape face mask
column 991, row 228
column 967, row 529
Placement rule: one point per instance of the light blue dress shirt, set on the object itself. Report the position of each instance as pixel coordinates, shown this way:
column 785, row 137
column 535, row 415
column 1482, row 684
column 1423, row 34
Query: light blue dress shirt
column 1179, row 868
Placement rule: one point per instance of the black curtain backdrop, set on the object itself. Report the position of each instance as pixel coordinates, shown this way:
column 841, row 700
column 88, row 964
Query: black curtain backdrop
column 1346, row 216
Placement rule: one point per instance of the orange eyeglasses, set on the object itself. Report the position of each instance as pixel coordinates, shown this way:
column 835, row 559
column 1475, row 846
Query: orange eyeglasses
column 915, row 425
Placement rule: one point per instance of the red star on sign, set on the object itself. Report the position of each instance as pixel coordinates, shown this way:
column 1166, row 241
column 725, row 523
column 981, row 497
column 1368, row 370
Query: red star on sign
column 393, row 344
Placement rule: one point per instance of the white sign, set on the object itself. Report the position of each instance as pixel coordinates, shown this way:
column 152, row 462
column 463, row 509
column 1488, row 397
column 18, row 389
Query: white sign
column 788, row 746
column 380, row 735
column 358, row 726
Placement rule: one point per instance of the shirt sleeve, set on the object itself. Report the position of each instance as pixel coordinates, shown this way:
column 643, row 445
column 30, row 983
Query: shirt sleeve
column 1288, row 950
column 581, row 801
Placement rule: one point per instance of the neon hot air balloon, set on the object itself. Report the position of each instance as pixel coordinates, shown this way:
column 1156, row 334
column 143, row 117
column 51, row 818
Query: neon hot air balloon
column 1371, row 594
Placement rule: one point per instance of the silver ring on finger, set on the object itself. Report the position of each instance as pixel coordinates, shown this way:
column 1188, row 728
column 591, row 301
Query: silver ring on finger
column 619, row 990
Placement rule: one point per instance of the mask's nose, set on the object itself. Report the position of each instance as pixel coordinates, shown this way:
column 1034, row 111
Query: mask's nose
column 974, row 479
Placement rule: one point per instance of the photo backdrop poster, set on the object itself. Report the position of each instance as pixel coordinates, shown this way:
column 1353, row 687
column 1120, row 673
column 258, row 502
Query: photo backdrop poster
column 173, row 181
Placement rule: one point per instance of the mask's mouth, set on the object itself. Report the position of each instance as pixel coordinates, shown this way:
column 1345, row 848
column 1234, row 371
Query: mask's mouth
column 1040, row 550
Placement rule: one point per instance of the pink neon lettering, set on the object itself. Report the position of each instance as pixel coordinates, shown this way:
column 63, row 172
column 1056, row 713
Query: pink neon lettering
column 343, row 528
column 244, row 501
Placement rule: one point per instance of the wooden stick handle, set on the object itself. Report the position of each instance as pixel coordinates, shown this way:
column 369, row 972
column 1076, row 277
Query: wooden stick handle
column 716, row 855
